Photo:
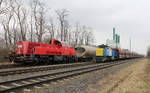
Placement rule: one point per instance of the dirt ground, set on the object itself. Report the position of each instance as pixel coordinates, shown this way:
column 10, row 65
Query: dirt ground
column 133, row 79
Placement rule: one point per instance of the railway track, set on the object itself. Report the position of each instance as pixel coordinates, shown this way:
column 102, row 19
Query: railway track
column 11, row 85
column 13, row 66
column 8, row 66
column 20, row 70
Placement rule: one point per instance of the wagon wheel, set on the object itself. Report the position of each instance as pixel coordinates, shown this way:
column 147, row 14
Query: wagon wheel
column 35, row 62
column 11, row 59
column 94, row 59
column 12, row 62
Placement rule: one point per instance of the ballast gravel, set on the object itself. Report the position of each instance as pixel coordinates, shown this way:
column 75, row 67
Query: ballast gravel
column 79, row 84
column 26, row 75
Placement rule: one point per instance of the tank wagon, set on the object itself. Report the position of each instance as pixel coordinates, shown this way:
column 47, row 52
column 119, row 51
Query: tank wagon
column 85, row 53
column 40, row 52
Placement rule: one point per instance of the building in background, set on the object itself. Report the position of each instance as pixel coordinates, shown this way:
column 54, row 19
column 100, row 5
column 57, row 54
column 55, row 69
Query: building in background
column 115, row 42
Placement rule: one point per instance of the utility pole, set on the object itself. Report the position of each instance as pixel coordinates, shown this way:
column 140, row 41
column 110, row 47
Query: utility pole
column 130, row 43
column 114, row 34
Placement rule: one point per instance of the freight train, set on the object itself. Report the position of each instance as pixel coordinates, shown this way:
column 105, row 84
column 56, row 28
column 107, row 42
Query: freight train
column 103, row 53
column 56, row 50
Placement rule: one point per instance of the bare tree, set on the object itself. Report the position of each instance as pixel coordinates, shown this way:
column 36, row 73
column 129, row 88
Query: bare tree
column 21, row 15
column 39, row 11
column 77, row 33
column 62, row 14
column 148, row 52
column 3, row 6
column 31, row 28
column 82, row 35
column 89, row 37
column 7, row 29
column 1, row 2
column 31, row 23
column 18, row 25
column 70, row 37
column 2, row 42
column 51, row 29
column 15, row 32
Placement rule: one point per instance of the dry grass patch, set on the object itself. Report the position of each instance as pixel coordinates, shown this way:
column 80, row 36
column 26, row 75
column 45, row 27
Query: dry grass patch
column 145, row 76
column 133, row 79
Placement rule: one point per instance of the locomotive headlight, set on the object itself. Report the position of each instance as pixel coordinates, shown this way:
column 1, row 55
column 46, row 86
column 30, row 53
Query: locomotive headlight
column 19, row 46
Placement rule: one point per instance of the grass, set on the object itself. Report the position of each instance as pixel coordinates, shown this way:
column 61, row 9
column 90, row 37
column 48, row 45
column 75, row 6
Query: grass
column 146, row 77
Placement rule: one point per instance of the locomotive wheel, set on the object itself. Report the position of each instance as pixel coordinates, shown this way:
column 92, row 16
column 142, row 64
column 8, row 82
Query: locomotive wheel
column 68, row 59
column 53, row 60
column 76, row 59
column 23, row 63
column 65, row 59
column 94, row 60
column 71, row 59
column 35, row 62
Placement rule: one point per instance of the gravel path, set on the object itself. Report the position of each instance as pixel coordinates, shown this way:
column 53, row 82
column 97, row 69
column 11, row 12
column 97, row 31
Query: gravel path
column 80, row 84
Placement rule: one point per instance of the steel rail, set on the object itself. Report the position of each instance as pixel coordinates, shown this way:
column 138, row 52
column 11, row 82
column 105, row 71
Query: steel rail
column 40, row 68
column 30, row 81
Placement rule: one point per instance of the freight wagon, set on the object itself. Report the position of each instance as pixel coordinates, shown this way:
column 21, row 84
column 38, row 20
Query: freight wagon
column 103, row 53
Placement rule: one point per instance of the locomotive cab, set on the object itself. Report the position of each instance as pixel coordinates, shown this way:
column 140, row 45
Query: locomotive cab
column 55, row 42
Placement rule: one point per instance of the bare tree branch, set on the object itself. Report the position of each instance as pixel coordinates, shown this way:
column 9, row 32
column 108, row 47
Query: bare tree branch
column 62, row 14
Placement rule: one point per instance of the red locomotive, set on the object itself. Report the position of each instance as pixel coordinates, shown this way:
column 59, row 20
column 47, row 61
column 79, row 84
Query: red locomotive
column 27, row 51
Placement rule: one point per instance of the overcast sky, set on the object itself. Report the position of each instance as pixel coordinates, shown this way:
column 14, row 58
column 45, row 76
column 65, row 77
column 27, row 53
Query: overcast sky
column 131, row 18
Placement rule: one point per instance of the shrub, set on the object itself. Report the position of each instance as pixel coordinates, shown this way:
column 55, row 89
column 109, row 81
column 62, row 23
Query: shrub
column 3, row 53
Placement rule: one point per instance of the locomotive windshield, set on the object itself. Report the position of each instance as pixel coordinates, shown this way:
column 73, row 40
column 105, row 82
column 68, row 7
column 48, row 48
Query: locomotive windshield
column 58, row 43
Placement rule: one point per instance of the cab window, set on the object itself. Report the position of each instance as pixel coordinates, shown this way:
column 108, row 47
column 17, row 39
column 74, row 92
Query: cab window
column 50, row 41
column 57, row 43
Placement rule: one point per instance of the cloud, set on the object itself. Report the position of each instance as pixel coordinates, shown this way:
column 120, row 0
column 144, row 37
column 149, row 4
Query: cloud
column 130, row 17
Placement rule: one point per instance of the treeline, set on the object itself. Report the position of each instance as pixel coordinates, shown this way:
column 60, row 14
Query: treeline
column 31, row 22
column 148, row 52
